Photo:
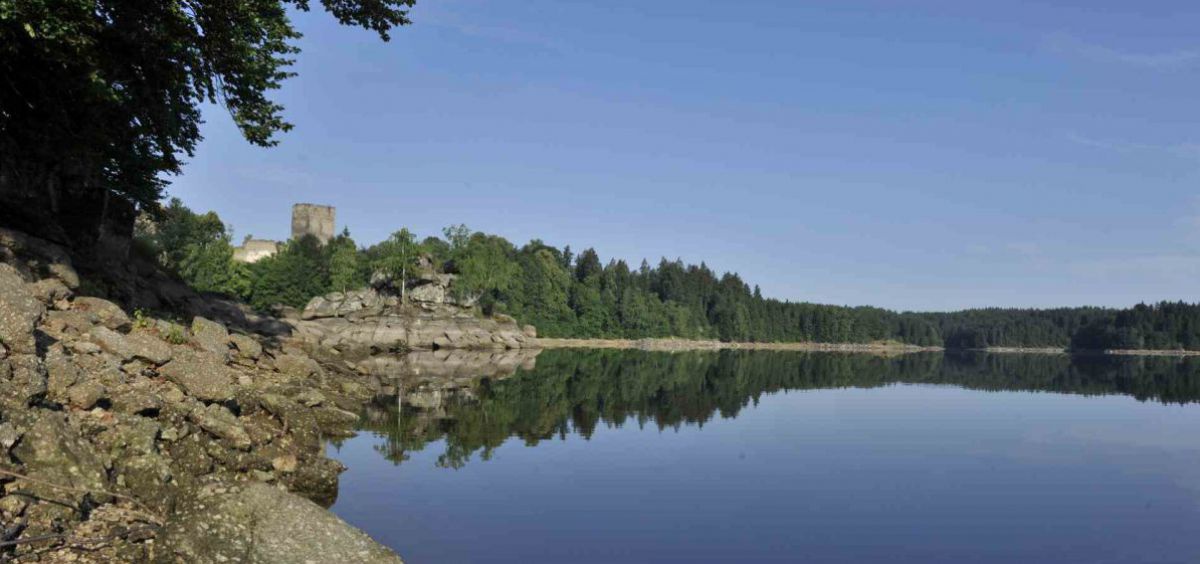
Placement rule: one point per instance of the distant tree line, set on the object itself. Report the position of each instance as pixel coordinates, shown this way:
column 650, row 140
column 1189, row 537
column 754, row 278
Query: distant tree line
column 565, row 294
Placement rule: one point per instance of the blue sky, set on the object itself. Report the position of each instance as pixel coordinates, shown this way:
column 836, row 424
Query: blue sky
column 916, row 155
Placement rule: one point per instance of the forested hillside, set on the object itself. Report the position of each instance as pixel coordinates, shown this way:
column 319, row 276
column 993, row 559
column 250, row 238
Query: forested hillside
column 566, row 294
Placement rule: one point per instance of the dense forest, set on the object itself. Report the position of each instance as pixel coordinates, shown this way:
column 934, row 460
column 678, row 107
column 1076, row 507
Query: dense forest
column 568, row 294
column 574, row 392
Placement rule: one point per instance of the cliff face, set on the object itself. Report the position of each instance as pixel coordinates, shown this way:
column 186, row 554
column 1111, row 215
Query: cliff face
column 365, row 322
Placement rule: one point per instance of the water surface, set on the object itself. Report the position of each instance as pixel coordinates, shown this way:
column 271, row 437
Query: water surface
column 601, row 456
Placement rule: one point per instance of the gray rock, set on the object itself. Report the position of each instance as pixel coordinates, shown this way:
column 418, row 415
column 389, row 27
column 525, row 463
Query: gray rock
column 261, row 524
column 84, row 347
column 130, row 436
column 148, row 477
column 220, row 422
column 12, row 507
column 50, row 291
column 9, row 435
column 137, row 402
column 319, row 307
column 431, row 293
column 334, row 421
column 61, row 372
column 211, row 336
column 427, row 327
column 297, row 366
column 529, row 331
column 361, row 303
column 149, row 348
column 104, row 312
column 309, row 398
column 247, row 347
column 134, row 345
column 46, row 255
column 86, row 395
column 71, row 323
column 299, row 420
column 138, row 367
column 202, row 376
column 25, row 384
column 53, row 452
column 19, row 312
column 111, row 341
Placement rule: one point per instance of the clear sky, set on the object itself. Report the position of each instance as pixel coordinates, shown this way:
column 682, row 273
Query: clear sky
column 915, row 155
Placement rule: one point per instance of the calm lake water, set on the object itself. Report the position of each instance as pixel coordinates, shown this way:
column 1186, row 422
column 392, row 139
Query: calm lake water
column 603, row 456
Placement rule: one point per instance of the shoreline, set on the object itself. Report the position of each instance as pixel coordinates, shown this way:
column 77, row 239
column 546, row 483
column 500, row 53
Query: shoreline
column 669, row 344
column 680, row 345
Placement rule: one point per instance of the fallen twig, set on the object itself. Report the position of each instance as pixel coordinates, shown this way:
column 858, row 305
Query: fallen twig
column 72, row 543
column 157, row 519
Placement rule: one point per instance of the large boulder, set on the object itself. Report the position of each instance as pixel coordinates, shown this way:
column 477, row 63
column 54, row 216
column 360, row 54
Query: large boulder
column 298, row 366
column 61, row 372
column 42, row 256
column 54, row 453
column 134, row 345
column 20, row 311
column 429, row 293
column 104, row 312
column 247, row 347
column 260, row 524
column 22, row 382
column 203, row 376
column 220, row 422
column 359, row 303
column 52, row 292
column 300, row 422
column 318, row 308
column 211, row 336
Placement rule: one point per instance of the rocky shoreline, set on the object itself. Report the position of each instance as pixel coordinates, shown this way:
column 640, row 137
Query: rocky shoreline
column 363, row 323
column 126, row 437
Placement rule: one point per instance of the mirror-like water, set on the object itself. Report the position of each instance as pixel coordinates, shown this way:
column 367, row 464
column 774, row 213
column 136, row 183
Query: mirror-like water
column 601, row 456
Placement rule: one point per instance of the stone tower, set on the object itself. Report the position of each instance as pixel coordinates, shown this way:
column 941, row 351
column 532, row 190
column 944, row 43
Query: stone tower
column 311, row 219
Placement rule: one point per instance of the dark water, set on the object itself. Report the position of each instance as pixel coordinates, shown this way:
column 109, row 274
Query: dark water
column 603, row 456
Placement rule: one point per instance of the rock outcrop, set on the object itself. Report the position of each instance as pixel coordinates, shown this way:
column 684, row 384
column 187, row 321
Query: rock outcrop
column 19, row 312
column 450, row 367
column 366, row 322
column 261, row 524
column 203, row 437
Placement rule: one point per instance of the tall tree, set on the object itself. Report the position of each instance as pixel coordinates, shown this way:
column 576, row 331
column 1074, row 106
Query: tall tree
column 397, row 258
column 105, row 96
column 346, row 271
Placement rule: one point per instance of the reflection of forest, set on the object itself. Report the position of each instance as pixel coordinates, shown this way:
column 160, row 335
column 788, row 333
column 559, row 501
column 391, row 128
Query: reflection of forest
column 572, row 391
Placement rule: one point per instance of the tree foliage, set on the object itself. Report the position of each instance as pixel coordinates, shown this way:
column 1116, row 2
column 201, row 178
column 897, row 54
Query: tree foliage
column 568, row 295
column 106, row 94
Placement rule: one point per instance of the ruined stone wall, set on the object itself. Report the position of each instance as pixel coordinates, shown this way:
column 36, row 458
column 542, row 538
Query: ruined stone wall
column 311, row 219
column 254, row 250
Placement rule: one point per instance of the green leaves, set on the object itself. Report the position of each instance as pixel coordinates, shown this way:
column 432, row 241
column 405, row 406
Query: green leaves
column 106, row 94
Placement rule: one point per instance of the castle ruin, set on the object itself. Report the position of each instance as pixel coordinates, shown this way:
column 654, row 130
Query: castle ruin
column 313, row 219
column 254, row 250
column 307, row 219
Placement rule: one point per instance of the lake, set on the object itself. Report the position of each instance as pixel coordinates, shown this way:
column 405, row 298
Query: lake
column 740, row 456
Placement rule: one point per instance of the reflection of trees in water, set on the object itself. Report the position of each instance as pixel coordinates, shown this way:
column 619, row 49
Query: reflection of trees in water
column 572, row 391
